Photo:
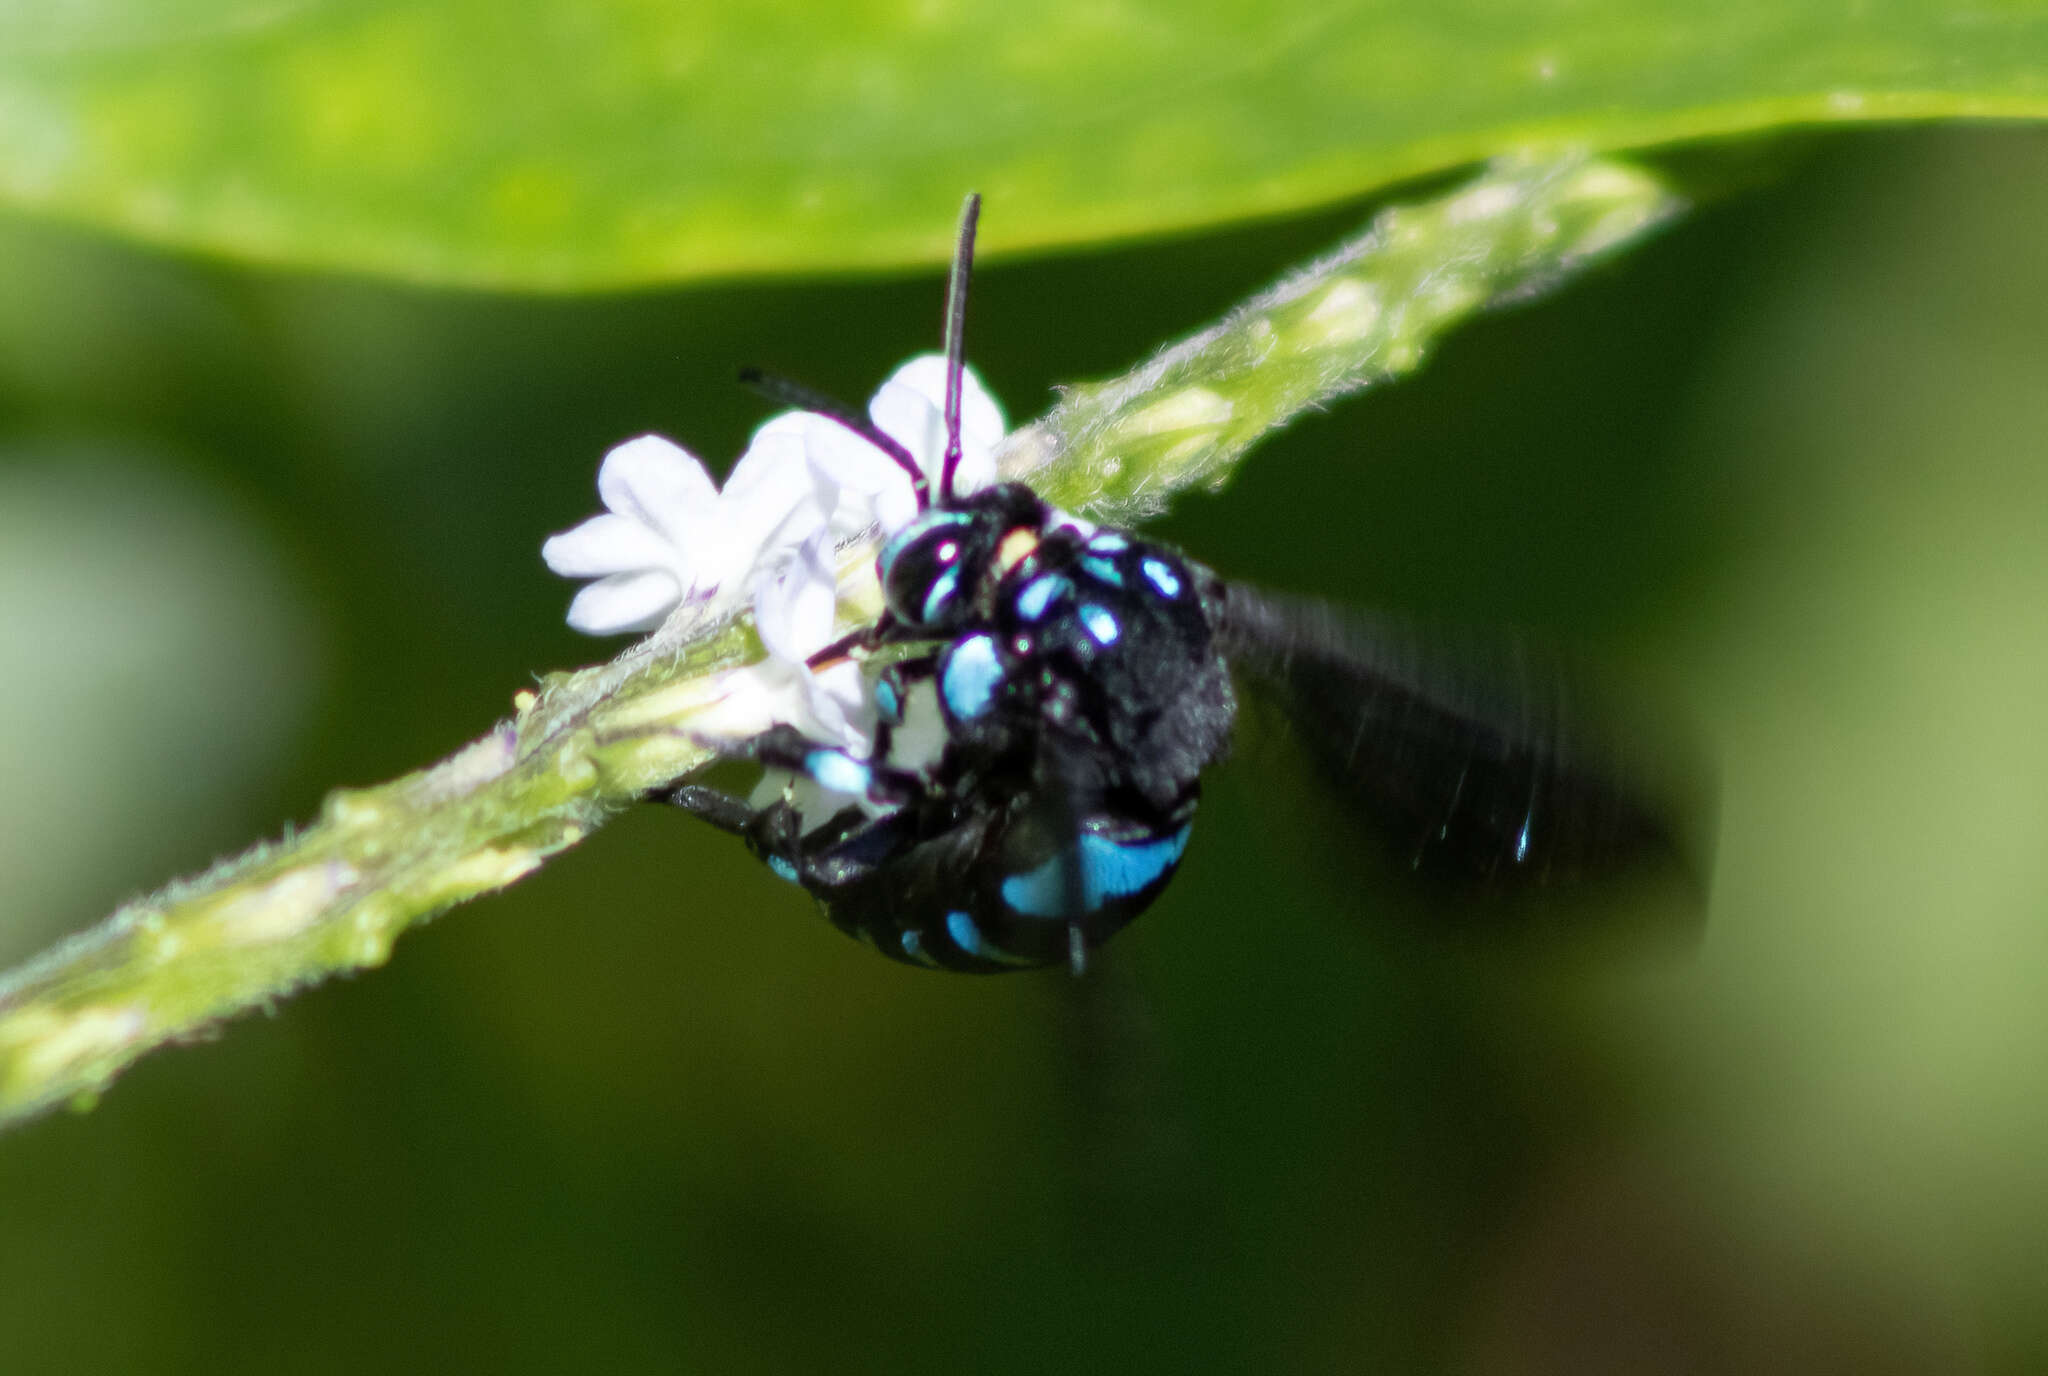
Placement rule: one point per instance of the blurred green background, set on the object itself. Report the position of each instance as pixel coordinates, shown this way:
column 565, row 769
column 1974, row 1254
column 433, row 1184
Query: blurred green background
column 264, row 533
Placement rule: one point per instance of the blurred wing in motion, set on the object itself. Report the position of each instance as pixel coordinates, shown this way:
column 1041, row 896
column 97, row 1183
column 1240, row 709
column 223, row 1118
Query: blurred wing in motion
column 1492, row 768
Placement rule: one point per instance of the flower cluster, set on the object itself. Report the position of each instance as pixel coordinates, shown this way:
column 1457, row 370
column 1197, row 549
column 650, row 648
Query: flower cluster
column 668, row 537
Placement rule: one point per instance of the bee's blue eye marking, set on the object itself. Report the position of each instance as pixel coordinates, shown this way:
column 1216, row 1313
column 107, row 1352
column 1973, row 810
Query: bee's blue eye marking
column 1039, row 593
column 1162, row 577
column 782, row 868
column 912, row 947
column 972, row 672
column 1103, row 569
column 912, row 533
column 943, row 591
column 1108, row 870
column 1101, row 623
column 839, row 772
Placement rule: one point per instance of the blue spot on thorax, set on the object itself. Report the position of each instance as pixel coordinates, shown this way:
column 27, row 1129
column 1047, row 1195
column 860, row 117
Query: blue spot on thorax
column 1102, row 570
column 1161, row 576
column 971, row 676
column 1101, row 623
column 782, row 869
column 1040, row 593
column 1108, row 869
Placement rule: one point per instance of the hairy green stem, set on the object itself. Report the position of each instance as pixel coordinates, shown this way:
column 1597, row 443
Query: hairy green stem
column 335, row 895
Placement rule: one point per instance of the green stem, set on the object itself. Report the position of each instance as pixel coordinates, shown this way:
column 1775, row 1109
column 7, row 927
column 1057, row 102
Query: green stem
column 335, row 896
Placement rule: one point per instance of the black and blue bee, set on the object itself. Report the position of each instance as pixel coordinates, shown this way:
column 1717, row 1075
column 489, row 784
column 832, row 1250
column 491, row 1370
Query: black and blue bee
column 1081, row 678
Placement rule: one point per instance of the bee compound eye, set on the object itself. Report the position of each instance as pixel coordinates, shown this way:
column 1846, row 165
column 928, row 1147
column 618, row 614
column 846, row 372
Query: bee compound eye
column 925, row 579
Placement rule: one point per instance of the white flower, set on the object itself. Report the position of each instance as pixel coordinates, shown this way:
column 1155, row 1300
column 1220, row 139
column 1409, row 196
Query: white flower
column 795, row 600
column 794, row 604
column 804, row 485
column 910, row 408
column 669, row 535
column 853, row 485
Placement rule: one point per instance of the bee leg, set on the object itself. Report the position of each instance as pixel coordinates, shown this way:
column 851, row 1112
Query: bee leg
column 892, row 691
column 719, row 808
column 830, row 767
column 855, row 642
column 774, row 833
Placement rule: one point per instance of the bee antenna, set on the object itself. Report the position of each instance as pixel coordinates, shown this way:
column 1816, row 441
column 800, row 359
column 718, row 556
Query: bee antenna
column 781, row 389
column 956, row 330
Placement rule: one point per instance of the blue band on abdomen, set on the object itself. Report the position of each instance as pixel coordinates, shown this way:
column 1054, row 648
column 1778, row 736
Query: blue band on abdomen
column 1108, row 869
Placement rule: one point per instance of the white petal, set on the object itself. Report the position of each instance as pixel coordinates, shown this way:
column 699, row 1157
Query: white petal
column 625, row 602
column 837, row 699
column 981, row 416
column 913, row 420
column 658, row 483
column 772, row 470
column 865, row 477
column 926, row 376
column 751, row 700
column 982, row 428
column 827, row 495
column 773, row 496
column 606, row 544
column 896, row 507
column 831, row 707
column 803, row 523
column 981, row 419
column 977, row 469
column 794, row 602
column 841, row 491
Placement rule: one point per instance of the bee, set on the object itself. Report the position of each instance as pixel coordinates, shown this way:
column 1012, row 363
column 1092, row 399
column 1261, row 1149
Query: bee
column 1082, row 682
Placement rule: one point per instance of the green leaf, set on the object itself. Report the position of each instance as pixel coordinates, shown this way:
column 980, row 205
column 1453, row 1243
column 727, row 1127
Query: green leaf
column 571, row 144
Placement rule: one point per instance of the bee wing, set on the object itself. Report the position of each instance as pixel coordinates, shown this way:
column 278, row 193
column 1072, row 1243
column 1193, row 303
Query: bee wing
column 1497, row 767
